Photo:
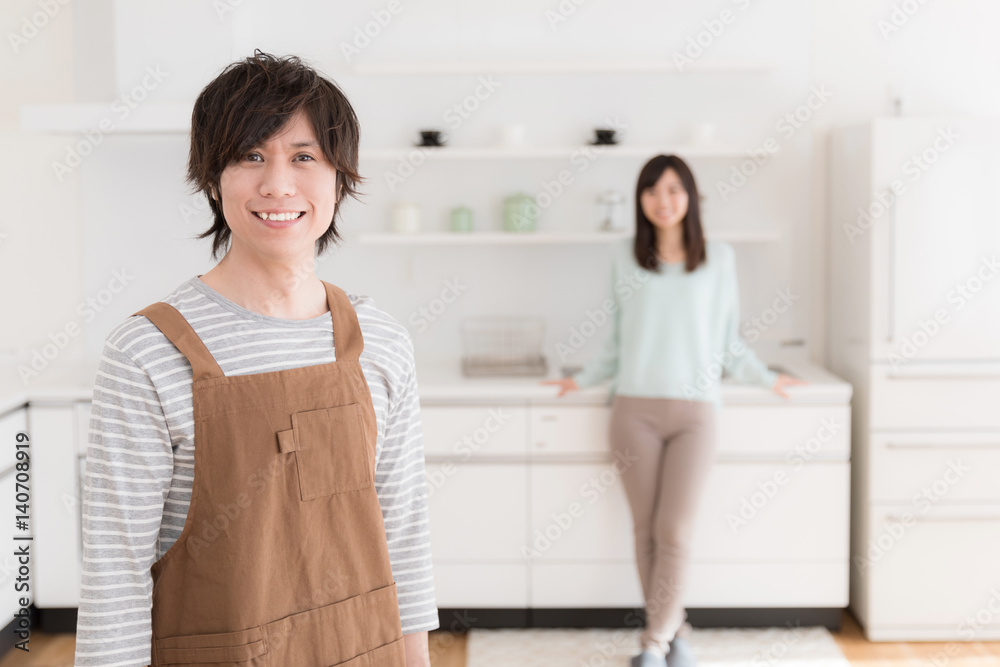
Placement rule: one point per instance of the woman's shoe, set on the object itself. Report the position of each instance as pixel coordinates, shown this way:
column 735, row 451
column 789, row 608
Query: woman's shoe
column 680, row 654
column 649, row 659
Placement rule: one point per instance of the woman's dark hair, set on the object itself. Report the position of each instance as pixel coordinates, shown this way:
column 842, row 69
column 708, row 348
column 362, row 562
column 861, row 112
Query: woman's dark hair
column 251, row 101
column 645, row 233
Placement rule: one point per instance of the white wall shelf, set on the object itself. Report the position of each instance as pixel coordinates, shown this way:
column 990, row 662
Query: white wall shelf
column 107, row 118
column 175, row 118
column 552, row 152
column 552, row 67
column 535, row 238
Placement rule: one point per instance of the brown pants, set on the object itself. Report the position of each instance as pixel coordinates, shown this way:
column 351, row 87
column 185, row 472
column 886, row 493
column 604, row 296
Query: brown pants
column 674, row 440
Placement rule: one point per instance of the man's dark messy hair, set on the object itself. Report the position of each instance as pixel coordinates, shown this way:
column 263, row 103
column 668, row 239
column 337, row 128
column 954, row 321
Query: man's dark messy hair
column 247, row 104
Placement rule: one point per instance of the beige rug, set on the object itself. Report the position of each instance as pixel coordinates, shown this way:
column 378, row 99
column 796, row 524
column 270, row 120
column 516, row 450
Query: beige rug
column 597, row 647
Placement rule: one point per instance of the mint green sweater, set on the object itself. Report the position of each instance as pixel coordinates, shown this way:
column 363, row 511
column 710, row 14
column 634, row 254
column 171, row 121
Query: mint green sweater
column 671, row 334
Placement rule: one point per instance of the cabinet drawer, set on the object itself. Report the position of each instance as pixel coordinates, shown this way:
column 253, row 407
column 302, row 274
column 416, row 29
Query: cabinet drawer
column 478, row 510
column 581, row 584
column 573, row 429
column 937, row 569
column 580, row 512
column 947, row 467
column 710, row 584
column 770, row 511
column 920, row 397
column 496, row 584
column 467, row 431
column 785, row 430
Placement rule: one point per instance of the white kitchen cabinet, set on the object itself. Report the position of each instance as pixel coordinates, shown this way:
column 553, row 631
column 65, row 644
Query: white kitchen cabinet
column 478, row 511
column 54, row 434
column 912, row 323
column 758, row 512
column 579, row 512
column 484, row 585
column 585, row 584
column 555, row 527
column 941, row 554
column 465, row 431
column 800, row 432
column 573, row 429
column 938, row 397
column 950, row 467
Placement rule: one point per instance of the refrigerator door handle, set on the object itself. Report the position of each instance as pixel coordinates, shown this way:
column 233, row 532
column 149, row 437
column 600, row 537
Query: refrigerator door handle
column 891, row 300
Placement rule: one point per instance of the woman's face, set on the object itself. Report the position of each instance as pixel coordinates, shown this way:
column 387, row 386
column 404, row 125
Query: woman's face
column 665, row 203
column 286, row 175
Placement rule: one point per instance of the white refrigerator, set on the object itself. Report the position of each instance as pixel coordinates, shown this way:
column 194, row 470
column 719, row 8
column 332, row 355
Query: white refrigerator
column 914, row 325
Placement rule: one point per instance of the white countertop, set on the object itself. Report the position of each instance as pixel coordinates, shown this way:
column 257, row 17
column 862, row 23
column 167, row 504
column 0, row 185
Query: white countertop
column 68, row 382
column 444, row 383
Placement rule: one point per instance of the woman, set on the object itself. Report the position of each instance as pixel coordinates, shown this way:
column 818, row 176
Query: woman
column 675, row 325
column 255, row 440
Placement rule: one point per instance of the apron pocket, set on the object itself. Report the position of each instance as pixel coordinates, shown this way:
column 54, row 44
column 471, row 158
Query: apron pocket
column 220, row 649
column 331, row 451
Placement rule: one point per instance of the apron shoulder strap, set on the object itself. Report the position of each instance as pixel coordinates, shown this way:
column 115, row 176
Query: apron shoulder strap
column 347, row 340
column 179, row 332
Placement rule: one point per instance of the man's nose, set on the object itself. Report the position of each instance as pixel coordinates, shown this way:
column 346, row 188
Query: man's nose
column 278, row 180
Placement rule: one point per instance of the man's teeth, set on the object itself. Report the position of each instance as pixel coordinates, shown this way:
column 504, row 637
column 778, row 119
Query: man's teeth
column 277, row 216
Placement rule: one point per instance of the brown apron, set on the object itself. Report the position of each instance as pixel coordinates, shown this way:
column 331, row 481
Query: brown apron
column 283, row 559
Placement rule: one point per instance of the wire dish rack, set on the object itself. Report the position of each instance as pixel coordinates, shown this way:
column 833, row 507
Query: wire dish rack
column 502, row 346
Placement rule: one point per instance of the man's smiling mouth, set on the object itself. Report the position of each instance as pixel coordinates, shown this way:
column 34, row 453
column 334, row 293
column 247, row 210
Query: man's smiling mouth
column 279, row 216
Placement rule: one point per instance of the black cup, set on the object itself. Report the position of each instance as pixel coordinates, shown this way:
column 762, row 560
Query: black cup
column 431, row 138
column 604, row 136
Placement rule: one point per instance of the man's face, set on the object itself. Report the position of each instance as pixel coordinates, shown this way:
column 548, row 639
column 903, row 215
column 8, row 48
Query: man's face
column 287, row 176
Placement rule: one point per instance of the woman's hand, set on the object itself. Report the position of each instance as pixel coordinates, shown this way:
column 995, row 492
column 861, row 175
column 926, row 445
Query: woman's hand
column 566, row 385
column 785, row 381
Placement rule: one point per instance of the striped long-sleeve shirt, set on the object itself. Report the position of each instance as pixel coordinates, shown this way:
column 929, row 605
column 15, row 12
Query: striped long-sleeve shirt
column 140, row 456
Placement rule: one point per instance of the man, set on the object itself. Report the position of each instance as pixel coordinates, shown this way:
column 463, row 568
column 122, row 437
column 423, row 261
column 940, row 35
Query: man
column 254, row 481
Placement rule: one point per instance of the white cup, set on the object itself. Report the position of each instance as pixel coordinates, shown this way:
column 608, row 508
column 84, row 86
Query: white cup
column 704, row 133
column 405, row 217
column 513, row 135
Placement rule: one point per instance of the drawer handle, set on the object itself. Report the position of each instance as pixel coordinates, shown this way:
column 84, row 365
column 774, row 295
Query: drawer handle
column 943, row 445
column 942, row 519
column 946, row 371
